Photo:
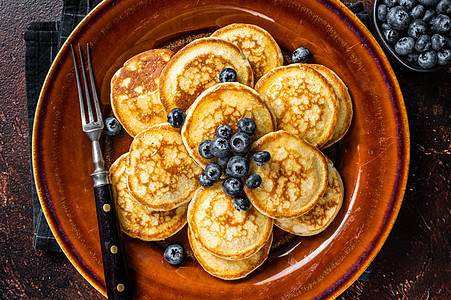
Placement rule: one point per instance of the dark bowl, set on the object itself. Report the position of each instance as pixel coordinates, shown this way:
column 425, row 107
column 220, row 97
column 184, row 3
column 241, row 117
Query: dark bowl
column 389, row 48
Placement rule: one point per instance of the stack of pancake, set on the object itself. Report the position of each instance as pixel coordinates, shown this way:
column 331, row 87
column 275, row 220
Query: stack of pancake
column 298, row 108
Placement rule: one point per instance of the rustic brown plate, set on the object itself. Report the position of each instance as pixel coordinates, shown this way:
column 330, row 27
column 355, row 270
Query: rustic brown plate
column 373, row 156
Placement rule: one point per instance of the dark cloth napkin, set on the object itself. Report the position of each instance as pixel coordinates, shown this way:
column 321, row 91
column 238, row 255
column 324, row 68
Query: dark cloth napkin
column 43, row 40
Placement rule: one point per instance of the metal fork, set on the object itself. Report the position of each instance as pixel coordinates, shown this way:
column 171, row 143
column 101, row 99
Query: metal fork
column 113, row 251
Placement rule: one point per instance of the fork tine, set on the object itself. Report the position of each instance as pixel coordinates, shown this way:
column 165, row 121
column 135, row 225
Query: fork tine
column 93, row 85
column 88, row 98
column 80, row 89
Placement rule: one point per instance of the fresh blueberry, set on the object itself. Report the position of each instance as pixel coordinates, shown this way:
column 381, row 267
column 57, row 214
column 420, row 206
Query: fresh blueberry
column 204, row 149
column 440, row 24
column 427, row 59
column 301, row 55
column 232, row 187
column 220, row 147
column 382, row 11
column 237, row 166
column 112, row 126
column 385, row 26
column 423, row 43
column 247, row 125
column 412, row 57
column 390, row 3
column 417, row 12
column 438, row 41
column 240, row 143
column 253, row 181
column 444, row 57
column 416, row 28
column 391, row 35
column 176, row 117
column 428, row 2
column 241, row 203
column 261, row 157
column 398, row 18
column 204, row 181
column 213, row 171
column 227, row 75
column 444, row 7
column 405, row 45
column 222, row 161
column 224, row 132
column 174, row 254
column 429, row 15
column 407, row 3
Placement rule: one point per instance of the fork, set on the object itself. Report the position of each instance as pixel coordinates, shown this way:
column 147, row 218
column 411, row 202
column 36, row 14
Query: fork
column 113, row 251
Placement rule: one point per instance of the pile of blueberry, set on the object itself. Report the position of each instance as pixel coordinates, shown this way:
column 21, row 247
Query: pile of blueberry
column 230, row 149
column 418, row 30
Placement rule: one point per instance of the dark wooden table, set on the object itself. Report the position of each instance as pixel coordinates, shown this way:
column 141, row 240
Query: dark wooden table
column 414, row 263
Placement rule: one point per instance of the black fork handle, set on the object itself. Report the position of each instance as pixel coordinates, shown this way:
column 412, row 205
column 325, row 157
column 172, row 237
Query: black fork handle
column 113, row 251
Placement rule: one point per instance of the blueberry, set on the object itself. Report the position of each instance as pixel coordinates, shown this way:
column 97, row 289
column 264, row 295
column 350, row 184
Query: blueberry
column 253, row 181
column 382, row 11
column 220, row 147
column 390, row 3
column 204, row 181
column 204, row 149
column 398, row 18
column 213, row 171
column 417, row 12
column 438, row 41
column 416, row 28
column 385, row 26
column 407, row 3
column 237, row 166
column 227, row 75
column 232, row 187
column 222, row 161
column 224, row 132
column 247, row 125
column 174, row 254
column 241, row 203
column 423, row 43
column 240, row 143
column 412, row 57
column 428, row 2
column 261, row 157
column 440, row 24
column 428, row 15
column 112, row 126
column 405, row 45
column 443, row 7
column 444, row 57
column 301, row 55
column 176, row 117
column 390, row 35
column 427, row 59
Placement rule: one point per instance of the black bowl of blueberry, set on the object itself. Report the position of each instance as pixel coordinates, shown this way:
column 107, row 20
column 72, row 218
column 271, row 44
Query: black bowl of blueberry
column 417, row 33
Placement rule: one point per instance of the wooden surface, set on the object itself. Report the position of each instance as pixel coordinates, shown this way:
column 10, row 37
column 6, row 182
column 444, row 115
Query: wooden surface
column 413, row 264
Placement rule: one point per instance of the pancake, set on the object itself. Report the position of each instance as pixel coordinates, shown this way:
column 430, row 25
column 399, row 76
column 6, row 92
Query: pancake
column 223, row 230
column 196, row 67
column 161, row 174
column 260, row 48
column 292, row 181
column 302, row 100
column 136, row 221
column 228, row 269
column 344, row 102
column 134, row 91
column 323, row 213
column 223, row 104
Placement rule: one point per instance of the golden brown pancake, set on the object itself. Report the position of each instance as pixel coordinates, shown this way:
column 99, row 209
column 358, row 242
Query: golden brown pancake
column 196, row 67
column 260, row 48
column 302, row 100
column 161, row 174
column 292, row 181
column 136, row 221
column 134, row 91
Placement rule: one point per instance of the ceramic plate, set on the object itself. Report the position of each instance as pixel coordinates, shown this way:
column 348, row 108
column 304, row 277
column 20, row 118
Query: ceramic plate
column 372, row 158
